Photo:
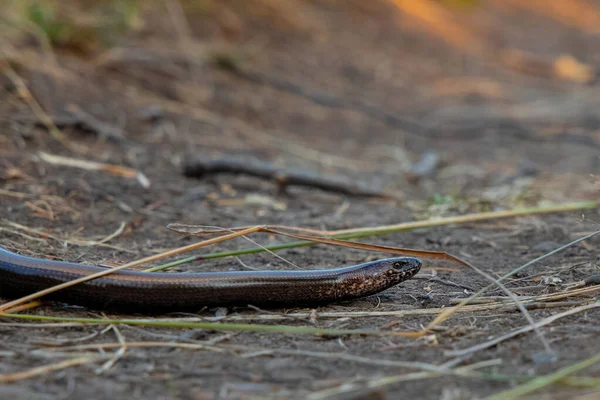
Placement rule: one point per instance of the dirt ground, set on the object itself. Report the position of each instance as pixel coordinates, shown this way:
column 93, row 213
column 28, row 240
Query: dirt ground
column 362, row 90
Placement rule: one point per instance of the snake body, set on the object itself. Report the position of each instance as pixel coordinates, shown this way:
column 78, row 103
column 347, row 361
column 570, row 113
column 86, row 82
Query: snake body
column 154, row 291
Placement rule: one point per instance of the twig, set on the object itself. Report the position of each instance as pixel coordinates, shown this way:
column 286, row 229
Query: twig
column 112, row 169
column 200, row 166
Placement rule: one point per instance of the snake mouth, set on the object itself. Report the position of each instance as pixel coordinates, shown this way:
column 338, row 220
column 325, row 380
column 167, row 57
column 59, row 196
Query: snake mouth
column 413, row 266
column 403, row 268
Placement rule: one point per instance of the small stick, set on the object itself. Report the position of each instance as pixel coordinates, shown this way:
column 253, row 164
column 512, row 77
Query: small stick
column 112, row 169
column 285, row 177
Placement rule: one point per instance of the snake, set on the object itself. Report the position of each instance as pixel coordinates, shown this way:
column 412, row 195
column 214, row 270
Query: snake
column 140, row 291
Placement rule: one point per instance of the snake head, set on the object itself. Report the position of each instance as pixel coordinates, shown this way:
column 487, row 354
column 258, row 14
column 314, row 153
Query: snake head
column 401, row 268
column 375, row 276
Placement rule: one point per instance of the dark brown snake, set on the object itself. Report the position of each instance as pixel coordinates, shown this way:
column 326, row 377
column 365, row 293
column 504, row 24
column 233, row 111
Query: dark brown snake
column 151, row 292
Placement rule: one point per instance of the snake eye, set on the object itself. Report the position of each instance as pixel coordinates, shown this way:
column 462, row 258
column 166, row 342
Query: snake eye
column 397, row 265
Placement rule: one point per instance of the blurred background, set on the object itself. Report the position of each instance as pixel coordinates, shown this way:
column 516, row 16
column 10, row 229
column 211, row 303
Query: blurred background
column 447, row 101
column 119, row 117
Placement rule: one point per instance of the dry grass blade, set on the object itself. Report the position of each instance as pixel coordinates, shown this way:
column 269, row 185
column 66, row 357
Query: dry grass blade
column 552, row 297
column 23, row 307
column 503, row 306
column 117, row 170
column 44, row 369
column 75, row 242
column 353, row 233
column 567, row 293
column 440, row 255
column 198, row 230
column 118, row 354
column 180, row 250
column 10, row 193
